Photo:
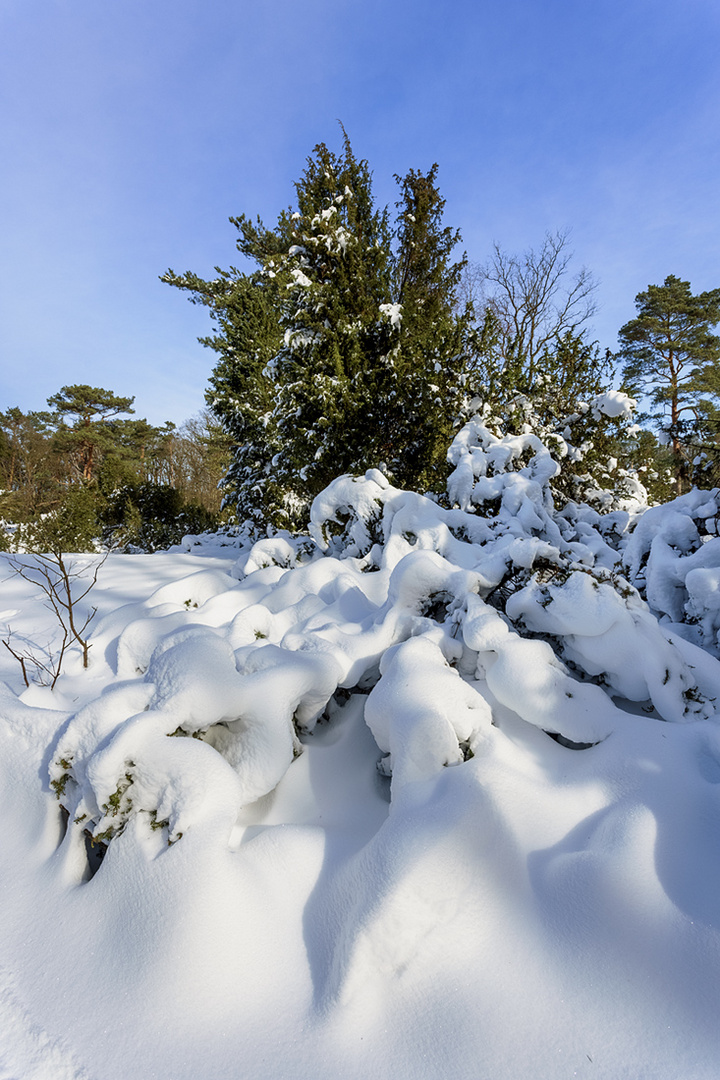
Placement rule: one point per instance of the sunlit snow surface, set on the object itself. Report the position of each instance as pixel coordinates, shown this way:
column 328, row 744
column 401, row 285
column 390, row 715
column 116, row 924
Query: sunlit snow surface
column 499, row 905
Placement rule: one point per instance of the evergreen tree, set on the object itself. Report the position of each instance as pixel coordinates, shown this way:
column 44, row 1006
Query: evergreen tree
column 341, row 351
column 72, row 526
column 149, row 517
column 433, row 352
column 30, row 478
column 135, row 450
column 89, row 436
column 338, row 331
column 671, row 356
column 565, row 399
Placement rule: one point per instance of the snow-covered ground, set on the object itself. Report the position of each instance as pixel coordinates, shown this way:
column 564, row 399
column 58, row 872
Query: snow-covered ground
column 526, row 888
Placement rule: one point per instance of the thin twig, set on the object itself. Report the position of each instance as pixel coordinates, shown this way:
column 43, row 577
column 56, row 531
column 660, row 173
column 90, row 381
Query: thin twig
column 20, row 659
column 55, row 577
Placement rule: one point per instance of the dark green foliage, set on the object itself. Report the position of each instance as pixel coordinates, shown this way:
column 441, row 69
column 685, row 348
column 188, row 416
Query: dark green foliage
column 152, row 517
column 72, row 526
column 653, row 463
column 554, row 398
column 336, row 342
column 703, row 445
column 131, row 449
column 671, row 358
column 30, row 475
column 425, row 400
column 57, row 471
column 341, row 351
column 83, row 433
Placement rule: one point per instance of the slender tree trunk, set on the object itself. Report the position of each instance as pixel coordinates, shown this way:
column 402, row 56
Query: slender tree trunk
column 676, row 449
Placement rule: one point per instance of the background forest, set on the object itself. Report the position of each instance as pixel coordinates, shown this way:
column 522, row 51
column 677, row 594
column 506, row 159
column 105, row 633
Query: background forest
column 87, row 471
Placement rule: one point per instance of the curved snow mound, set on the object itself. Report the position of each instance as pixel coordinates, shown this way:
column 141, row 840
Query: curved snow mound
column 448, row 619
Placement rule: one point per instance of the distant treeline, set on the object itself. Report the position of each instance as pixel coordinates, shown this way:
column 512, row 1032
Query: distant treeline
column 136, row 482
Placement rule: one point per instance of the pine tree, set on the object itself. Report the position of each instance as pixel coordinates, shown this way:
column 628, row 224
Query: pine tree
column 670, row 356
column 89, row 436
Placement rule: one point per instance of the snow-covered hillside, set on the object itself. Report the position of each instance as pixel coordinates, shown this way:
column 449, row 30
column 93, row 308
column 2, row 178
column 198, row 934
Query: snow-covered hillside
column 435, row 793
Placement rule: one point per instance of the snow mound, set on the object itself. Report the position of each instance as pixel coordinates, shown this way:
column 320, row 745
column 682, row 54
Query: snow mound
column 431, row 792
column 437, row 613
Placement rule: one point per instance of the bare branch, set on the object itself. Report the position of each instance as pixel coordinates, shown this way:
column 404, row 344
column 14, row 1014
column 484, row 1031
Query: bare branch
column 19, row 657
column 51, row 669
column 532, row 296
column 55, row 577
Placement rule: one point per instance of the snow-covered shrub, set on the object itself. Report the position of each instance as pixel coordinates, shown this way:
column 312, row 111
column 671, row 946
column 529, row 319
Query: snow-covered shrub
column 447, row 618
column 562, row 397
column 281, row 549
column 673, row 559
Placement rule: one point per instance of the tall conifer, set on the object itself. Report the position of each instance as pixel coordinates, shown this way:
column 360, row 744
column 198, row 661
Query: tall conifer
column 671, row 357
column 341, row 351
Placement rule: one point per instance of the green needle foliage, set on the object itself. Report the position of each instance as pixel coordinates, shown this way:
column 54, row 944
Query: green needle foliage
column 671, row 358
column 341, row 350
column 83, row 432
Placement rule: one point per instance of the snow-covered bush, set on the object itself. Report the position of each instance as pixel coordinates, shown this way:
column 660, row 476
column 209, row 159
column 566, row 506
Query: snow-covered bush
column 446, row 618
column 673, row 559
column 563, row 398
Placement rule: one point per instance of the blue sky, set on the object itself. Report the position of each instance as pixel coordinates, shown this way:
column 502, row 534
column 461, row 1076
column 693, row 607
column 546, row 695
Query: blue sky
column 130, row 131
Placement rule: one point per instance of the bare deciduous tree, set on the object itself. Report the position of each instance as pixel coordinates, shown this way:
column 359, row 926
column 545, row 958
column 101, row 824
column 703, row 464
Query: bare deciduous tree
column 57, row 578
column 532, row 297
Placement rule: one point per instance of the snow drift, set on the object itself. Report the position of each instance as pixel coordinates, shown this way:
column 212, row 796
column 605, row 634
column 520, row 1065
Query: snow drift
column 432, row 793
